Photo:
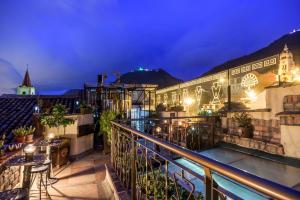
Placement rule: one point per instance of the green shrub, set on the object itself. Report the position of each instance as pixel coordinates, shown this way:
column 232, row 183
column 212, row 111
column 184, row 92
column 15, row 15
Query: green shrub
column 105, row 123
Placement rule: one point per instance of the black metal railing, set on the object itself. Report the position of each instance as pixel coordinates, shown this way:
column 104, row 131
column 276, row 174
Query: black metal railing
column 146, row 169
column 194, row 133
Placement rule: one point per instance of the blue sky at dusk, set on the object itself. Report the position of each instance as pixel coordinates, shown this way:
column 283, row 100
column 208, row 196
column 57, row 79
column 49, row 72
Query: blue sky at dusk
column 69, row 42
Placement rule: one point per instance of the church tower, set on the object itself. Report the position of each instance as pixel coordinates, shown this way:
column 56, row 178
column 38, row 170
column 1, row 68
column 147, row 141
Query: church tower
column 26, row 88
column 286, row 65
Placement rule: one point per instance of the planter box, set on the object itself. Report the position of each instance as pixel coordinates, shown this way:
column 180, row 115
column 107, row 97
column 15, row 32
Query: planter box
column 61, row 153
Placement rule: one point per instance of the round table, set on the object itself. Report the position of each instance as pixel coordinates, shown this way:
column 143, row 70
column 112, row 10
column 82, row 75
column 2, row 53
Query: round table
column 21, row 160
column 49, row 144
column 14, row 194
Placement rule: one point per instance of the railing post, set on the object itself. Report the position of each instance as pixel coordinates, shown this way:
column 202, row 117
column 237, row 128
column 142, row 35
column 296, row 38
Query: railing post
column 112, row 148
column 210, row 193
column 213, row 130
column 208, row 184
column 133, row 168
column 167, row 182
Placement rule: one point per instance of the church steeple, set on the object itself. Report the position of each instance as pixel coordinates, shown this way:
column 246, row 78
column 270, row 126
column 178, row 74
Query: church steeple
column 26, row 80
column 26, row 88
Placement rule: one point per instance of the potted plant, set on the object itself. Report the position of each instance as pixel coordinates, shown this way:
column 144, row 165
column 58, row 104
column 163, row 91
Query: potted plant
column 56, row 118
column 244, row 122
column 29, row 133
column 2, row 150
column 106, row 128
column 161, row 107
column 19, row 134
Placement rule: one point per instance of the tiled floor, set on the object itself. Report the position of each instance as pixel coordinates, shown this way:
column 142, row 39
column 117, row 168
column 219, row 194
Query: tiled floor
column 81, row 180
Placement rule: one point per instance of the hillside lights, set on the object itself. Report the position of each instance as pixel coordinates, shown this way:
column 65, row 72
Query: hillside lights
column 188, row 101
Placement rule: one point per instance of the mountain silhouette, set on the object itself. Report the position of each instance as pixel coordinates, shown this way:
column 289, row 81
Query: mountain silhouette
column 159, row 77
column 292, row 40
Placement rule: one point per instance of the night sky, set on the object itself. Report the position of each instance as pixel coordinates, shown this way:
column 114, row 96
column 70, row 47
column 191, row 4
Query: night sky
column 68, row 42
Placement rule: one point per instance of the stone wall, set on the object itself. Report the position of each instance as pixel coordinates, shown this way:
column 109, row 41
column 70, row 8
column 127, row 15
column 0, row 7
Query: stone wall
column 251, row 143
column 291, row 103
column 264, row 130
column 9, row 177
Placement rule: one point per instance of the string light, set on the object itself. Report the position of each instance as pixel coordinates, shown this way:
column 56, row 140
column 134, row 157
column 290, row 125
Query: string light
column 188, row 101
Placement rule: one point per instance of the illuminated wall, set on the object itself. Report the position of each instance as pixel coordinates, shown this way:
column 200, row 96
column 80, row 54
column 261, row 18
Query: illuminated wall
column 211, row 92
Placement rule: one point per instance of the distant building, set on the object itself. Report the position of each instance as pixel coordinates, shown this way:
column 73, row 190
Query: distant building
column 26, row 88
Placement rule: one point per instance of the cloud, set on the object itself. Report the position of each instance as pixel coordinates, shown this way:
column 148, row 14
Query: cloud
column 10, row 78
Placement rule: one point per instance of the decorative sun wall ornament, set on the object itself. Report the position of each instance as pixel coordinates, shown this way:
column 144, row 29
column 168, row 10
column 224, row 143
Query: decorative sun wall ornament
column 174, row 98
column 216, row 89
column 249, row 81
column 198, row 92
column 165, row 98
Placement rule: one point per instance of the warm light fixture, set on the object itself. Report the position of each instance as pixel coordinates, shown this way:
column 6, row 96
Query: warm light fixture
column 297, row 78
column 222, row 80
column 188, row 101
column 36, row 109
column 251, row 95
column 165, row 121
column 179, row 123
column 158, row 129
column 51, row 136
column 30, row 148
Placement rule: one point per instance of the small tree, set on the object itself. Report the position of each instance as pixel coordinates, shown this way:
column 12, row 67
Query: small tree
column 244, row 122
column 243, row 119
column 57, row 118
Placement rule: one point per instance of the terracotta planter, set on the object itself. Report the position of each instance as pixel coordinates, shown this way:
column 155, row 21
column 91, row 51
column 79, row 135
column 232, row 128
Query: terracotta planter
column 29, row 138
column 20, row 139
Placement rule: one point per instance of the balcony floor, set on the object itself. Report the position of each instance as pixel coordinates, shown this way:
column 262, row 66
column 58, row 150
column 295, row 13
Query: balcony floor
column 83, row 179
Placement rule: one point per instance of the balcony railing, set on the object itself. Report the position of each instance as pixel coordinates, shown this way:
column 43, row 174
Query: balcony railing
column 147, row 169
column 194, row 133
